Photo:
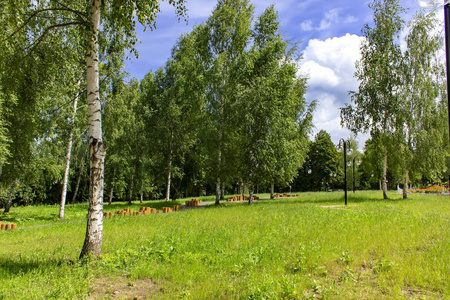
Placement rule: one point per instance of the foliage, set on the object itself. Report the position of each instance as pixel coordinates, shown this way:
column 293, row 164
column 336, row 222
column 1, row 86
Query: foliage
column 377, row 103
column 273, row 113
column 321, row 167
column 422, row 123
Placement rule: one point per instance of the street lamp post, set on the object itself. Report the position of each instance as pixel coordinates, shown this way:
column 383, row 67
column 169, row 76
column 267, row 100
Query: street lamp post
column 447, row 55
column 345, row 143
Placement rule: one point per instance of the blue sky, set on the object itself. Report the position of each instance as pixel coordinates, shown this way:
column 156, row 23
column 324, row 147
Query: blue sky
column 329, row 36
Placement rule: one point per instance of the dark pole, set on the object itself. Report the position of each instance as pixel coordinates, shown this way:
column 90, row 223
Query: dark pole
column 345, row 171
column 447, row 55
column 354, row 175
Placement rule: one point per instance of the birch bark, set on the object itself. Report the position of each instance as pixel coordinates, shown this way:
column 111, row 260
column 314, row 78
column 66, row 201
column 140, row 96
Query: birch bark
column 219, row 164
column 250, row 194
column 130, row 196
column 74, row 197
column 11, row 193
column 111, row 194
column 68, row 154
column 384, row 183
column 222, row 192
column 169, row 175
column 97, row 150
column 405, row 185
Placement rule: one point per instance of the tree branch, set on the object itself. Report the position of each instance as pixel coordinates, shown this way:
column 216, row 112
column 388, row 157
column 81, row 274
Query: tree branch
column 45, row 10
column 78, row 13
column 47, row 30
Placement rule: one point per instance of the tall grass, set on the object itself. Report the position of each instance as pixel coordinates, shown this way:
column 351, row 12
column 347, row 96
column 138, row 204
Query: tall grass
column 295, row 248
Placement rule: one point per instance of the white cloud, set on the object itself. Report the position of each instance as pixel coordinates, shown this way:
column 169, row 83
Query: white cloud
column 337, row 55
column 330, row 64
column 350, row 19
column 331, row 18
column 320, row 76
column 307, row 26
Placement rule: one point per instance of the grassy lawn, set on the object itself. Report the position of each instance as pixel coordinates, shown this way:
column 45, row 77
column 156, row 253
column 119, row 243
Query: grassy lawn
column 296, row 248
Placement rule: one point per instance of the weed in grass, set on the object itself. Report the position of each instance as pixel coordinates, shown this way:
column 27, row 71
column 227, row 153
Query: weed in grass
column 345, row 257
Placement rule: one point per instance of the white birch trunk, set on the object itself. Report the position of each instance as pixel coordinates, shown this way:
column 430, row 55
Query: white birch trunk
column 74, row 197
column 142, row 198
column 250, row 194
column 272, row 191
column 97, row 150
column 222, row 192
column 169, row 175
column 384, row 183
column 405, row 185
column 219, row 163
column 68, row 154
column 10, row 196
column 111, row 193
column 130, row 196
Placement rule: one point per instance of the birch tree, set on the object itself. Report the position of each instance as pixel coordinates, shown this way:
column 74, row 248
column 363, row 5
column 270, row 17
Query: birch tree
column 421, row 123
column 224, row 38
column 69, row 152
column 177, row 106
column 376, row 104
column 271, row 108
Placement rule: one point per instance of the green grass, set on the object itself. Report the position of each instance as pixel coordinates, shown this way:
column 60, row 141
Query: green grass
column 284, row 248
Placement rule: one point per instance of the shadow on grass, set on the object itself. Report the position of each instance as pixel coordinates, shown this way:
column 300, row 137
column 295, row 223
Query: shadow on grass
column 16, row 218
column 13, row 267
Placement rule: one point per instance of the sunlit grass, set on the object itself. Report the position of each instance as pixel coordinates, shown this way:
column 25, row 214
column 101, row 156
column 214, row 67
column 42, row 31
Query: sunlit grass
column 305, row 247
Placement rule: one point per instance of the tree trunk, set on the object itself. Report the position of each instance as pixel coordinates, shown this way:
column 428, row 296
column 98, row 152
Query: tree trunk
column 222, row 192
column 384, row 183
column 111, row 193
column 405, row 185
column 80, row 174
column 68, row 154
column 219, row 163
column 272, row 191
column 130, row 196
column 250, row 194
column 11, row 194
column 97, row 150
column 142, row 198
column 169, row 175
